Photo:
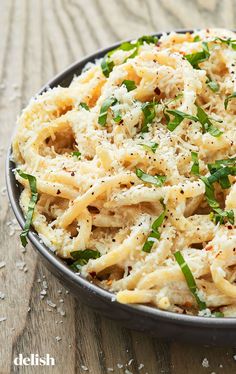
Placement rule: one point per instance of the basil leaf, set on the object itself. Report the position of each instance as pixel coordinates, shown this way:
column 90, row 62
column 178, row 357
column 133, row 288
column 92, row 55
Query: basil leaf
column 154, row 233
column 178, row 118
column 230, row 97
column 107, row 66
column 189, row 279
column 102, row 119
column 218, row 314
column 76, row 154
column 196, row 38
column 149, row 113
column 213, row 85
column 117, row 116
column 84, row 105
column 82, row 257
column 157, row 180
column 206, row 123
column 196, row 58
column 149, row 39
column 33, row 200
column 130, row 85
column 230, row 42
column 195, row 166
column 151, row 147
column 219, row 214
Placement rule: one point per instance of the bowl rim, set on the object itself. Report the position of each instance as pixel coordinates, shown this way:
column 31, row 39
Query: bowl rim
column 59, row 264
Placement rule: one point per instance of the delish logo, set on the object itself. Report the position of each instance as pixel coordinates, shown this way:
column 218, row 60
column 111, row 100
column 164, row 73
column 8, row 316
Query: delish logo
column 34, row 360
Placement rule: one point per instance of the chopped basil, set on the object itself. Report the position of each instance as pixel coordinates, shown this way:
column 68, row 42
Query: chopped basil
column 155, row 234
column 76, row 154
column 230, row 42
column 189, row 279
column 195, row 166
column 213, row 85
column 178, row 118
column 117, row 116
column 149, row 114
column 206, row 123
column 150, row 147
column 221, row 175
column 84, row 105
column 230, row 97
column 219, row 215
column 196, row 58
column 218, row 314
column 107, row 64
column 82, row 257
column 102, row 119
column 33, row 200
column 157, row 180
column 130, row 85
column 196, row 38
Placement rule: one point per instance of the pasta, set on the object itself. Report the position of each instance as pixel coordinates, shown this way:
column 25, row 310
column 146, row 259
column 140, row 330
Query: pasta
column 135, row 168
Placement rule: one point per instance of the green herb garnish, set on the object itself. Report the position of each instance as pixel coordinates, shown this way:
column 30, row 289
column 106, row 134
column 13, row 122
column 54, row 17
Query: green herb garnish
column 196, row 58
column 149, row 114
column 76, row 154
column 207, row 124
column 107, row 64
column 84, row 105
column 82, row 257
column 195, row 166
column 130, row 85
column 102, row 119
column 155, row 234
column 230, row 97
column 219, row 215
column 189, row 279
column 230, row 42
column 33, row 200
column 150, row 147
column 178, row 118
column 196, row 38
column 213, row 85
column 157, row 180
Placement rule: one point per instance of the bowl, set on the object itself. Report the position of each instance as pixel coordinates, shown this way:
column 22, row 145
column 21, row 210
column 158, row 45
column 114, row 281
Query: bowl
column 155, row 322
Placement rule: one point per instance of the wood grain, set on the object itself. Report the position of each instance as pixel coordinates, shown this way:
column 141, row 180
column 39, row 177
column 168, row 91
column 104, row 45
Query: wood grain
column 38, row 39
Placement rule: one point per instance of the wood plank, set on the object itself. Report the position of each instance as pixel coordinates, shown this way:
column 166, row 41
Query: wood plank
column 39, row 38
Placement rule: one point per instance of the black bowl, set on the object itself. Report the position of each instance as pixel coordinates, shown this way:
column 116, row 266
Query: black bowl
column 216, row 331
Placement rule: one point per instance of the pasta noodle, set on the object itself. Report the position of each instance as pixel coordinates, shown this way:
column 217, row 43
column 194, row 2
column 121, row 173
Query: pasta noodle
column 134, row 162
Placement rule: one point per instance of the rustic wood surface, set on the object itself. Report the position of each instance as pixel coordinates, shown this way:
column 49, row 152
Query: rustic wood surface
column 38, row 39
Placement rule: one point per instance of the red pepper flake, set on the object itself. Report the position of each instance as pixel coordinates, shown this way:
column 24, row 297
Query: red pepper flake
column 72, row 174
column 209, row 248
column 93, row 274
column 157, row 91
column 229, row 227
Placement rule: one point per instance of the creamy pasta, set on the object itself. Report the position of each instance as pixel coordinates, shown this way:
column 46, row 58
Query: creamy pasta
column 135, row 168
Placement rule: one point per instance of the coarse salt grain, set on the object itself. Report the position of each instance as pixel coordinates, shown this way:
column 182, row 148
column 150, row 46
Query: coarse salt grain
column 205, row 363
column 130, row 361
column 58, row 338
column 110, row 369
column 120, row 366
column 2, row 295
column 234, row 357
column 3, row 319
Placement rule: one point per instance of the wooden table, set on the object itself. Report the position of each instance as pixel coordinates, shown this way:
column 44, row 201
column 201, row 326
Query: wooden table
column 39, row 39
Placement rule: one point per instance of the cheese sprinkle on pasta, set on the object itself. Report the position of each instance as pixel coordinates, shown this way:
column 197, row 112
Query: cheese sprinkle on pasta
column 135, row 168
